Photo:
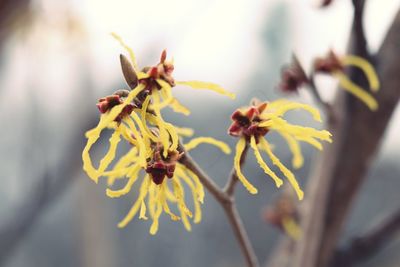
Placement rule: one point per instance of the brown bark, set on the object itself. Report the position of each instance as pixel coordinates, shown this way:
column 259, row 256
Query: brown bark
column 343, row 165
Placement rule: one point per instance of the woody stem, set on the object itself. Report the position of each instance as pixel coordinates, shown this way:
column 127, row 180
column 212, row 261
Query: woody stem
column 227, row 201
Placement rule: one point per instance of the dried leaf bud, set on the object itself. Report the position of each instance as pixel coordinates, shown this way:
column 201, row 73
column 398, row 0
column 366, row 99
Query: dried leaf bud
column 128, row 72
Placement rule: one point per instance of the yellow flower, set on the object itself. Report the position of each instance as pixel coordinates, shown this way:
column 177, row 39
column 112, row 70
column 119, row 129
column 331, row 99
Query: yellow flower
column 252, row 123
column 164, row 180
column 334, row 65
column 151, row 91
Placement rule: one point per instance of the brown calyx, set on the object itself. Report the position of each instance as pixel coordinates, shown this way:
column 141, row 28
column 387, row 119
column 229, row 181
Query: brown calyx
column 328, row 64
column 159, row 166
column 292, row 77
column 246, row 122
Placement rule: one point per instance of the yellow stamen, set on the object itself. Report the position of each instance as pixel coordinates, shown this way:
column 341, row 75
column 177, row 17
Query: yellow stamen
column 356, row 90
column 236, row 163
column 284, row 170
column 366, row 67
column 263, row 165
column 208, row 140
column 210, row 86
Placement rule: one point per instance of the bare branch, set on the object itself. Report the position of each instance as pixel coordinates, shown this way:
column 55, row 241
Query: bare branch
column 342, row 167
column 359, row 39
column 363, row 247
column 228, row 204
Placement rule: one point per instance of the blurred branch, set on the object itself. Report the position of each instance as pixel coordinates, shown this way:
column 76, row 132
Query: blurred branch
column 363, row 247
column 55, row 181
column 342, row 167
column 11, row 12
column 360, row 41
column 227, row 201
column 317, row 97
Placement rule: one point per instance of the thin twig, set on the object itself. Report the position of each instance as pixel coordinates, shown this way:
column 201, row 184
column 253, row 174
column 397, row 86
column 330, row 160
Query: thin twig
column 317, row 97
column 363, row 247
column 229, row 206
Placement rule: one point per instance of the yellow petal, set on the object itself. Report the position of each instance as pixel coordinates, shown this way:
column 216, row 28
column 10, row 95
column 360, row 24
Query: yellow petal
column 128, row 49
column 186, row 132
column 143, row 113
column 281, row 109
column 356, row 90
column 141, row 142
column 132, row 212
column 210, row 86
column 185, row 177
column 208, row 140
column 195, row 178
column 87, row 161
column 294, row 147
column 110, row 155
column 263, row 165
column 142, row 214
column 236, row 163
column 366, row 67
column 284, row 170
column 291, row 228
column 115, row 111
column 127, row 188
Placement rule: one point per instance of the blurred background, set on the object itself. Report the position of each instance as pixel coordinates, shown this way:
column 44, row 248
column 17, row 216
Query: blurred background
column 57, row 58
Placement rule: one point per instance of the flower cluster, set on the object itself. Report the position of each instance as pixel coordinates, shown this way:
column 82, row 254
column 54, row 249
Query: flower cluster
column 135, row 117
column 252, row 123
column 333, row 65
column 294, row 77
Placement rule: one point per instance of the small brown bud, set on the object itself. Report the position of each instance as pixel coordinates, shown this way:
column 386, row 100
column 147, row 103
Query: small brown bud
column 128, row 72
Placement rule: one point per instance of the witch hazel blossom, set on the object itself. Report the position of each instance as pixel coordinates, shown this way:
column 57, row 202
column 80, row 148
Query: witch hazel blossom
column 251, row 124
column 135, row 120
column 334, row 65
